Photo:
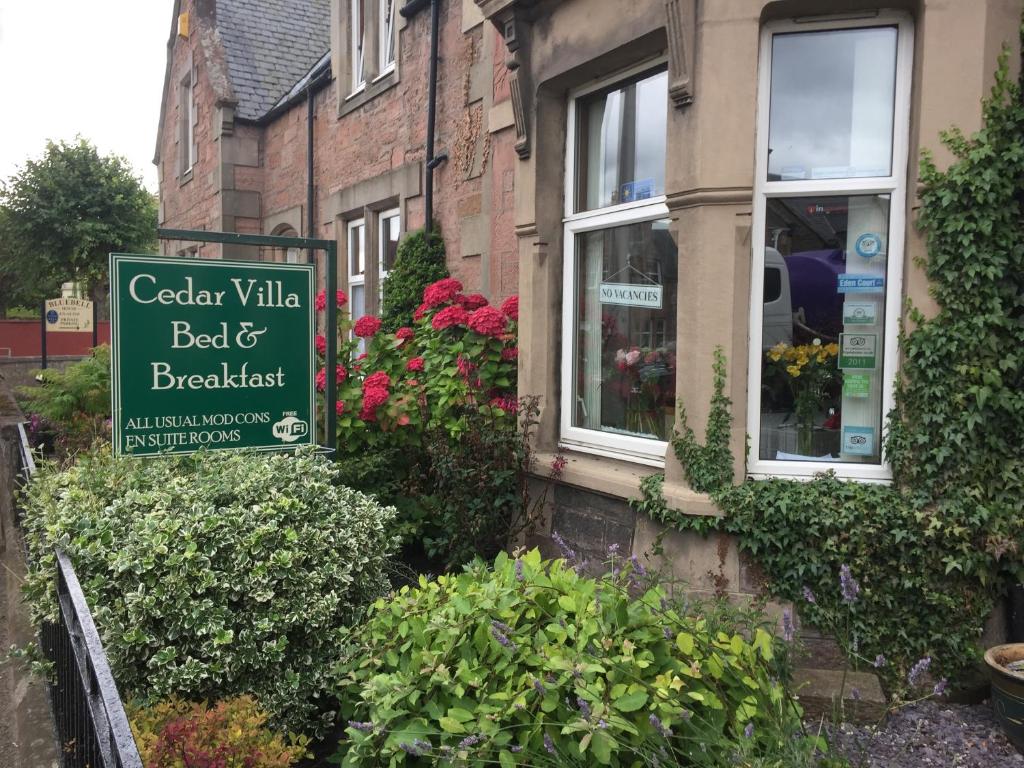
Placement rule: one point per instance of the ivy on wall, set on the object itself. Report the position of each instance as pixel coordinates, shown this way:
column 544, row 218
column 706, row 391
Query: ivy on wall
column 933, row 551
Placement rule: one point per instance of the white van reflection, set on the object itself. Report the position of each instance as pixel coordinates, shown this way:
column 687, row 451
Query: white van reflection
column 778, row 303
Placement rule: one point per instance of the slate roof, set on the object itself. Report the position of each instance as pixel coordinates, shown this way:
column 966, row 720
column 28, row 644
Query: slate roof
column 270, row 45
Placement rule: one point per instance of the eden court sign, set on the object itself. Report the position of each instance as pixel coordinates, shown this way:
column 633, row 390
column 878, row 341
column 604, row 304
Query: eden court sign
column 210, row 354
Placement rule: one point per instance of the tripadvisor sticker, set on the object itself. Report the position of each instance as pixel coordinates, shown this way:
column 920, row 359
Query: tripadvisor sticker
column 858, row 351
column 211, row 354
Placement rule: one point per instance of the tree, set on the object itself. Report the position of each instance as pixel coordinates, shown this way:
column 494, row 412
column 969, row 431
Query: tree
column 420, row 261
column 62, row 215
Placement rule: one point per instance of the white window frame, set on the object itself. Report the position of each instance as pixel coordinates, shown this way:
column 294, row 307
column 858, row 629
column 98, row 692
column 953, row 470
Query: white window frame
column 386, row 42
column 358, row 45
column 382, row 218
column 894, row 185
column 639, row 450
column 355, row 279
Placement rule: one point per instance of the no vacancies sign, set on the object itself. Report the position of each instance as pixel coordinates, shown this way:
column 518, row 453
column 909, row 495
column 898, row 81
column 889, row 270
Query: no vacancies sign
column 214, row 354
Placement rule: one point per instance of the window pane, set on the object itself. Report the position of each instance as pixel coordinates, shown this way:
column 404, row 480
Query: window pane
column 823, row 331
column 389, row 242
column 625, row 357
column 621, row 139
column 357, row 258
column 357, row 43
column 387, row 33
column 832, row 104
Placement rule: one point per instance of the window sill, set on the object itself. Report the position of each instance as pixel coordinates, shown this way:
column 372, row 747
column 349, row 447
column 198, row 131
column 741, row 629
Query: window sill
column 621, row 479
column 185, row 178
column 368, row 92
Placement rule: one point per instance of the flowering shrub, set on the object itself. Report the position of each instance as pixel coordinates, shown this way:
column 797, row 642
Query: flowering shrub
column 215, row 574
column 230, row 734
column 419, row 262
column 530, row 663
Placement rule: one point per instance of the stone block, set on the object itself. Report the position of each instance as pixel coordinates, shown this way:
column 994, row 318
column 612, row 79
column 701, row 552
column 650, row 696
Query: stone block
column 701, row 563
column 855, row 697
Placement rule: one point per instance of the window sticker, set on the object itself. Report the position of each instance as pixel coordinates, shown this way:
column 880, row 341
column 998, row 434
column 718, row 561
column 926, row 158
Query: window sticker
column 868, row 245
column 857, row 351
column 860, row 313
column 861, row 283
column 857, row 385
column 859, row 441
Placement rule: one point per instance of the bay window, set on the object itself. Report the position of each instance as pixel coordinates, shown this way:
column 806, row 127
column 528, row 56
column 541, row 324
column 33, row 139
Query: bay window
column 621, row 271
column 828, row 231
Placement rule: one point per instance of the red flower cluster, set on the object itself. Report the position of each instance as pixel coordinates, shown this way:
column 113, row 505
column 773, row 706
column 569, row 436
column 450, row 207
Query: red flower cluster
column 449, row 316
column 473, row 301
column 321, row 300
column 375, row 394
column 510, row 353
column 487, row 321
column 339, row 407
column 415, row 364
column 321, row 345
column 321, row 377
column 421, row 310
column 366, row 326
column 405, row 333
column 507, row 403
column 510, row 307
column 441, row 292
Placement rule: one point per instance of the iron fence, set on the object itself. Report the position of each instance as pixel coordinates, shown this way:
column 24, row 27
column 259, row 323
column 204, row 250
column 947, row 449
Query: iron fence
column 92, row 726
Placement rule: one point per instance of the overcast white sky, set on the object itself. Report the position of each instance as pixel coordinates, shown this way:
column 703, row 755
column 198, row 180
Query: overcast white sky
column 92, row 68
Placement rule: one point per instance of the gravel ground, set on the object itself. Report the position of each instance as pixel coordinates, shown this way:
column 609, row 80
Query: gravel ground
column 929, row 734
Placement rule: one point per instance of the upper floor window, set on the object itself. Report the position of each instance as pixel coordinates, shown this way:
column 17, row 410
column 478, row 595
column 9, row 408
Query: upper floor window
column 187, row 124
column 621, row 271
column 386, row 44
column 358, row 44
column 833, row 117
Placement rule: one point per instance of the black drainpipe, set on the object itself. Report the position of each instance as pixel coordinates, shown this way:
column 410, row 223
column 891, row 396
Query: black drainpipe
column 311, row 254
column 409, row 10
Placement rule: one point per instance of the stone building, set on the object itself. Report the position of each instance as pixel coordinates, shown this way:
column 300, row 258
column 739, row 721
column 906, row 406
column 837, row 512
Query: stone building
column 655, row 178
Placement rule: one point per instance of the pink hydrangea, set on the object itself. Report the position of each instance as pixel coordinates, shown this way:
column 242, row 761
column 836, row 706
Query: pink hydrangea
column 366, row 326
column 487, row 321
column 510, row 353
column 441, row 292
column 405, row 333
column 510, row 307
column 378, row 380
column 420, row 312
column 321, row 300
column 374, row 398
column 339, row 407
column 473, row 301
column 414, row 365
column 321, row 377
column 321, row 345
column 449, row 316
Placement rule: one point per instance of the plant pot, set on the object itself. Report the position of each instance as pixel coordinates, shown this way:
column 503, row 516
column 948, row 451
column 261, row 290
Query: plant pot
column 1008, row 690
column 1015, row 610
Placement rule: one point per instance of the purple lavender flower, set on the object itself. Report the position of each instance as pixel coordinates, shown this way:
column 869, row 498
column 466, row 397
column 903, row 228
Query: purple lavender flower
column 787, row 626
column 855, row 694
column 548, row 744
column 940, row 687
column 602, row 723
column 667, row 632
column 809, row 596
column 567, row 552
column 538, row 686
column 659, row 726
column 519, row 569
column 584, row 708
column 638, row 567
column 918, row 670
column 848, row 585
column 879, row 661
column 470, row 741
column 515, row 748
column 749, row 730
column 687, row 714
column 503, row 627
column 417, row 749
column 613, row 549
column 501, row 637
column 365, row 727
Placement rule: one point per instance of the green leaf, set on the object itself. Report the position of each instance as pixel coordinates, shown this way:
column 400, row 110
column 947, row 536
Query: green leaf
column 631, row 702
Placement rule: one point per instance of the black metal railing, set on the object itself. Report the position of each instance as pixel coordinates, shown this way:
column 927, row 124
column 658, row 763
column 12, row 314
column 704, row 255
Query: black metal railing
column 92, row 726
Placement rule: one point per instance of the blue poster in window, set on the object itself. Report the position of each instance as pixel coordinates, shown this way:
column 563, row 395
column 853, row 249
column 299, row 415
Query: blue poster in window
column 641, row 189
column 861, row 283
column 859, row 441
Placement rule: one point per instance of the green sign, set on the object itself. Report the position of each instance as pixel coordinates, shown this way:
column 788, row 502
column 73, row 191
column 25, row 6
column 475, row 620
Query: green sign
column 858, row 351
column 210, row 354
column 856, row 385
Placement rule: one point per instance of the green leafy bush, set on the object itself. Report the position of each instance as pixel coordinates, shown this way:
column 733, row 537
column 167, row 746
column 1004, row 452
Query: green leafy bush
column 75, row 401
column 215, row 574
column 230, row 734
column 530, row 663
column 420, row 261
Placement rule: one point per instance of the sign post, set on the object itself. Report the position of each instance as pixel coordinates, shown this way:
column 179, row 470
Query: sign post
column 211, row 354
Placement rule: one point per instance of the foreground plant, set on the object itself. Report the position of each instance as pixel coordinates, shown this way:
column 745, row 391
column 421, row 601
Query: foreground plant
column 531, row 663
column 215, row 574
column 229, row 734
